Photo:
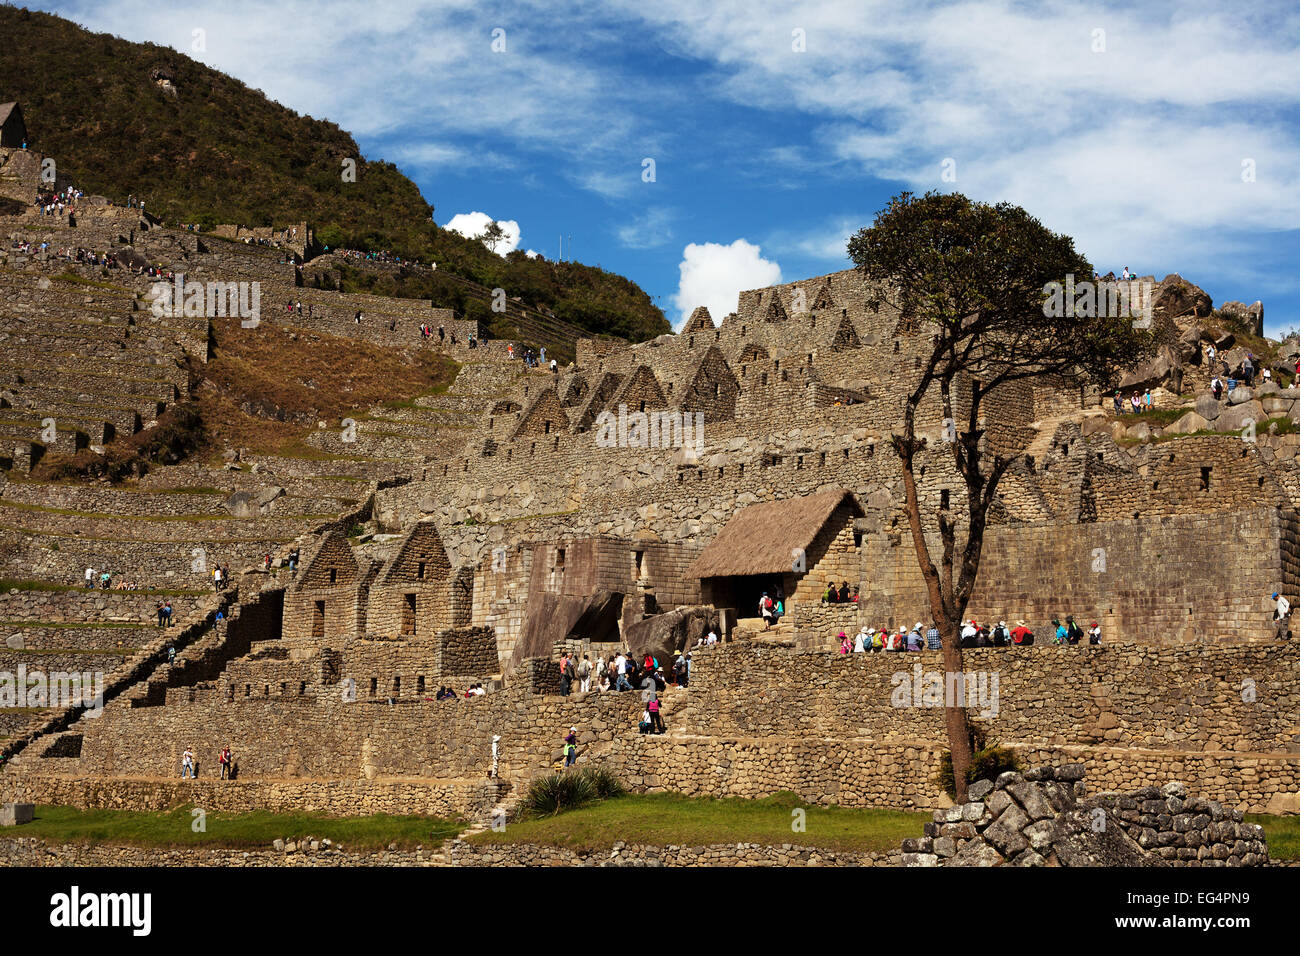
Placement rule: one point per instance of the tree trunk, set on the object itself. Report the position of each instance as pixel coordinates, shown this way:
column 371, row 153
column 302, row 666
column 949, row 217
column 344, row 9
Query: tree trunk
column 954, row 718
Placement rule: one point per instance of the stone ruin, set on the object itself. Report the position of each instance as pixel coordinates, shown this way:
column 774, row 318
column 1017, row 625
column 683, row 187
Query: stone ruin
column 474, row 535
column 1045, row 817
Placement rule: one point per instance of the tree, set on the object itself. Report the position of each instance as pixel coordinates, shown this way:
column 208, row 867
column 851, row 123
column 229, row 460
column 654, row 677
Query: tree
column 971, row 284
column 493, row 235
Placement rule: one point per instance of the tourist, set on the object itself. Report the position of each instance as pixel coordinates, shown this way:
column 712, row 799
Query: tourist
column 1216, row 386
column 898, row 642
column 878, row 637
column 968, row 633
column 566, row 675
column 844, row 643
column 1146, row 400
column 1073, row 632
column 167, row 612
column 571, row 748
column 224, row 759
column 860, row 641
column 158, row 609
column 1001, row 636
column 1119, row 404
column 778, row 609
column 932, row 639
column 1094, row 634
column 832, row 596
column 90, row 579
column 682, row 669
column 1060, row 633
column 584, row 675
column 645, row 725
column 1281, row 614
column 844, row 592
column 1248, row 370
column 1022, row 636
column 621, row 666
column 765, row 608
column 712, row 637
column 1136, row 402
column 656, row 717
column 187, row 764
column 915, row 642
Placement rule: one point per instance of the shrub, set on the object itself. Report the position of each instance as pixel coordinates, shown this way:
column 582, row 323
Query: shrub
column 557, row 792
column 987, row 761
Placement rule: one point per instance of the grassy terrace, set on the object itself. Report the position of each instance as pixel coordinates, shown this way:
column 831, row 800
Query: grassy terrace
column 12, row 584
column 255, row 830
column 667, row 818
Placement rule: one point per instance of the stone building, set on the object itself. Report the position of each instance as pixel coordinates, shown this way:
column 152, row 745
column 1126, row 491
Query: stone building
column 13, row 131
column 327, row 601
column 798, row 546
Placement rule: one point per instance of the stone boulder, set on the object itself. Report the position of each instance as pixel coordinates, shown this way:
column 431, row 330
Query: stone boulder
column 1176, row 298
column 1239, row 395
column 1234, row 417
column 1208, row 407
column 663, row 635
column 1188, row 424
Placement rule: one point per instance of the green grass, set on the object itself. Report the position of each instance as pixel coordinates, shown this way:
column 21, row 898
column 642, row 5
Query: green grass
column 1283, row 835
column 667, row 818
column 11, row 584
column 256, row 829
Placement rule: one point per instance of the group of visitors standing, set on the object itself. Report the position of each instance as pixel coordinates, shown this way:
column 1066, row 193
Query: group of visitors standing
column 972, row 634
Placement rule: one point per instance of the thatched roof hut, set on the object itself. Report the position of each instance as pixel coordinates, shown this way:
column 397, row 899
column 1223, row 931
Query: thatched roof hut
column 761, row 539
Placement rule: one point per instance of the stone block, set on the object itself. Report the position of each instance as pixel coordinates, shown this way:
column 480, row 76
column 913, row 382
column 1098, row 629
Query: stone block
column 15, row 814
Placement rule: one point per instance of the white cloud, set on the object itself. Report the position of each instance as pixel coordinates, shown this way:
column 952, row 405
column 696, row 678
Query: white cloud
column 531, row 253
column 471, row 226
column 714, row 275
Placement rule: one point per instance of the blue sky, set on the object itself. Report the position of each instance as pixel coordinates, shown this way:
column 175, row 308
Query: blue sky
column 1163, row 138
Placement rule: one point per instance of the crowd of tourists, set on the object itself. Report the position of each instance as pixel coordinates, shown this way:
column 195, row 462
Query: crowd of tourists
column 57, row 203
column 622, row 672
column 973, row 634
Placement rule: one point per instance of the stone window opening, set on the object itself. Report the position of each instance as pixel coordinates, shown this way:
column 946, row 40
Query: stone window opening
column 717, row 389
column 639, row 565
column 1261, row 481
column 397, row 686
column 302, row 688
column 785, row 376
column 491, row 421
column 284, row 688
column 230, row 692
column 897, row 345
column 266, row 690
column 1205, row 477
column 642, row 404
column 374, row 686
column 557, row 442
column 800, row 462
column 318, row 620
column 248, row 690
column 871, row 450
column 559, row 558
column 1155, row 486
column 719, row 471
column 532, row 450
column 943, row 499
column 408, row 614
column 690, row 342
column 419, row 685
column 744, row 329
column 776, row 365
column 334, row 575
column 419, row 571
column 764, row 378
column 546, row 427
column 823, row 459
column 742, row 467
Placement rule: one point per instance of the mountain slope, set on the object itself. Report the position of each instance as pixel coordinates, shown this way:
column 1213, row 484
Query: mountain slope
column 124, row 118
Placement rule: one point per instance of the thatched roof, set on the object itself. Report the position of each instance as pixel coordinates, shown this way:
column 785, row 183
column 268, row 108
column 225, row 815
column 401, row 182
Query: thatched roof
column 760, row 539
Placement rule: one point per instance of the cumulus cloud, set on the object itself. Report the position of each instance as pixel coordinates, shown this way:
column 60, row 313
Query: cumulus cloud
column 471, row 226
column 714, row 275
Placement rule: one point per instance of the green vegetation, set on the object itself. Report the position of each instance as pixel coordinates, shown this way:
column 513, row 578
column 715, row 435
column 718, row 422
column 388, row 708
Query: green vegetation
column 220, row 152
column 178, row 431
column 986, row 763
column 257, row 829
column 669, row 818
column 557, row 792
column 1283, row 835
column 22, row 584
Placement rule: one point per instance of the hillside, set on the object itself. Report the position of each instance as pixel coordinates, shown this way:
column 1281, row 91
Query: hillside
column 211, row 150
